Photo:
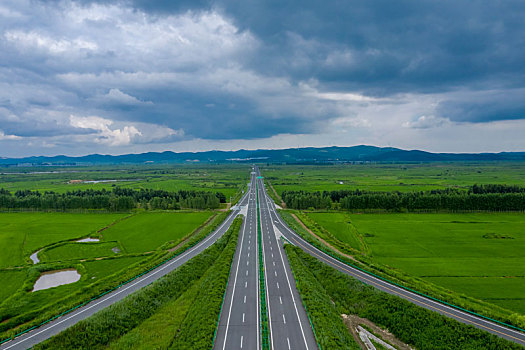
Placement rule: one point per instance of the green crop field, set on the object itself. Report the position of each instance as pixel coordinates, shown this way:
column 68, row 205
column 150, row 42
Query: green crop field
column 140, row 238
column 478, row 254
column 69, row 251
column 24, row 233
column 337, row 224
column 147, row 231
column 392, row 177
column 214, row 178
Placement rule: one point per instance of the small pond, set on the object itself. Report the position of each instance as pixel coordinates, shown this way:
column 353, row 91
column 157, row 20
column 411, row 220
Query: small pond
column 52, row 279
column 34, row 257
column 86, row 240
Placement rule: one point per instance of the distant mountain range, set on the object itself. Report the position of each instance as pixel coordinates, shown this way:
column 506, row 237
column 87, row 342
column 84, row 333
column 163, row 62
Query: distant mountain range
column 291, row 155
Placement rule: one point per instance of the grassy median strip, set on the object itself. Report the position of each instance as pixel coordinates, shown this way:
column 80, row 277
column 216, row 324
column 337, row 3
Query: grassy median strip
column 330, row 331
column 187, row 301
column 265, row 334
column 414, row 325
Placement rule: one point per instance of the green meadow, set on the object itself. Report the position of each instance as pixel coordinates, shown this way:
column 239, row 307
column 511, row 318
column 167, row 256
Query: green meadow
column 24, row 233
column 147, row 231
column 477, row 254
column 214, row 178
column 129, row 244
column 392, row 177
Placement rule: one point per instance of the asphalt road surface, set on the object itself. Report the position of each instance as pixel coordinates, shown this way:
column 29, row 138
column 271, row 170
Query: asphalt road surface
column 46, row 331
column 464, row 317
column 239, row 320
column 288, row 322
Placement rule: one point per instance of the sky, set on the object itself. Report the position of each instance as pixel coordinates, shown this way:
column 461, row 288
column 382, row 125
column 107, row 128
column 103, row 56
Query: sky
column 115, row 77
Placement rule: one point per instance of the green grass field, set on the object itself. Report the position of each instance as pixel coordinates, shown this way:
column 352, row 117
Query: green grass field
column 135, row 235
column 446, row 249
column 337, row 224
column 214, row 178
column 11, row 280
column 75, row 251
column 392, row 177
column 24, row 233
column 148, row 231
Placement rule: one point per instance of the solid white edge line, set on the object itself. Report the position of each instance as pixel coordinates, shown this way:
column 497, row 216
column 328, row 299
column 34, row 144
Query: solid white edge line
column 266, row 282
column 235, row 283
column 290, row 288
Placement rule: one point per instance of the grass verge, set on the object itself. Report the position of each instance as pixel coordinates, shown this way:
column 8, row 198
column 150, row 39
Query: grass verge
column 411, row 324
column 410, row 282
column 196, row 287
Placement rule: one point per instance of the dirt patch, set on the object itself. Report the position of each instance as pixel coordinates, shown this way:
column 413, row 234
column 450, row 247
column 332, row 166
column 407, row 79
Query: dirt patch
column 199, row 229
column 113, row 224
column 228, row 206
column 352, row 321
column 320, row 239
column 283, row 204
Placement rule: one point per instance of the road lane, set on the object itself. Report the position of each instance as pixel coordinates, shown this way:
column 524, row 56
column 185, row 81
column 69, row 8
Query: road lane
column 288, row 322
column 239, row 319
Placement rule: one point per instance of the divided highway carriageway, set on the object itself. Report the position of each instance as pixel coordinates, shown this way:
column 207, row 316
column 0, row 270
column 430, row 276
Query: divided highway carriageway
column 261, row 287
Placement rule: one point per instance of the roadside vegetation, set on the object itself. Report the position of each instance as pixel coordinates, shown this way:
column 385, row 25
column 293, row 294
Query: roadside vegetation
column 179, row 311
column 452, row 231
column 328, row 294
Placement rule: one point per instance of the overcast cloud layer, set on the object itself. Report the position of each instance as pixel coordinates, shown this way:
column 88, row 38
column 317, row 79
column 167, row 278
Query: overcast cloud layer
column 134, row 76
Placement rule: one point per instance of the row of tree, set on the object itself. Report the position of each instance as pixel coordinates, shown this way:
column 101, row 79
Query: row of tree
column 117, row 199
column 454, row 200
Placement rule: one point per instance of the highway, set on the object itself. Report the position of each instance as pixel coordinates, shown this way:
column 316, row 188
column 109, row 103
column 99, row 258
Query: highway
column 239, row 320
column 461, row 316
column 29, row 339
column 289, row 325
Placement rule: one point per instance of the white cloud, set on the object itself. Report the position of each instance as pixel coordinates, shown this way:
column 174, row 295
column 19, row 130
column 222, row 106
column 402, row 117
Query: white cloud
column 105, row 135
column 31, row 40
column 105, row 132
column 426, row 122
column 115, row 95
column 3, row 136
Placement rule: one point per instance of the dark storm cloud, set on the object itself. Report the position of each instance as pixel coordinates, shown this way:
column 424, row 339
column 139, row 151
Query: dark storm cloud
column 386, row 47
column 485, row 106
column 381, row 46
column 150, row 71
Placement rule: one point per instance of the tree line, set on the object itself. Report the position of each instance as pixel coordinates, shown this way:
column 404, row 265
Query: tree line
column 117, row 199
column 478, row 197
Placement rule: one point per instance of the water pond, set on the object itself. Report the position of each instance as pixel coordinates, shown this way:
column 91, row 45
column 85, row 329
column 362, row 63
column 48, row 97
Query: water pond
column 52, row 279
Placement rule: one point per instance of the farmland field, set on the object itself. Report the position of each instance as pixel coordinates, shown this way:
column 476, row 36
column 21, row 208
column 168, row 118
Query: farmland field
column 140, row 238
column 24, row 233
column 477, row 254
column 392, row 177
column 214, row 178
column 77, row 251
column 147, row 231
